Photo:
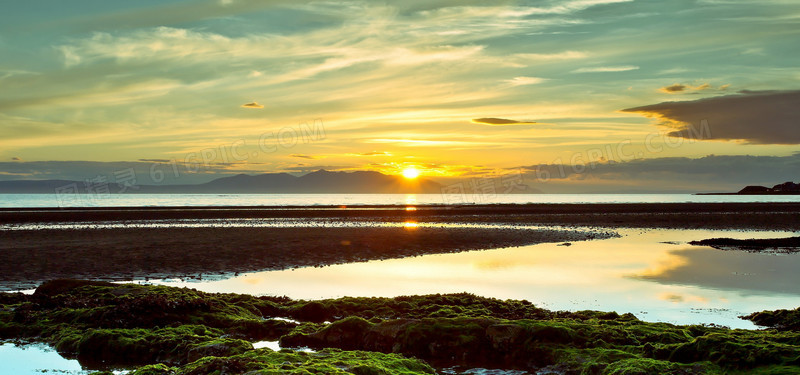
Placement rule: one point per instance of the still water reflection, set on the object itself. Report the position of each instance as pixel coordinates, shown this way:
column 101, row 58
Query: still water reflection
column 653, row 274
column 35, row 359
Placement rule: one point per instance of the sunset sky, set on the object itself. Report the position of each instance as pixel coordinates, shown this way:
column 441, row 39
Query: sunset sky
column 654, row 95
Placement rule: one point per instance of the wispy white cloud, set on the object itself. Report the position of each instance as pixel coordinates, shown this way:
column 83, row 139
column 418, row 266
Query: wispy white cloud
column 524, row 81
column 606, row 69
column 673, row 71
column 566, row 55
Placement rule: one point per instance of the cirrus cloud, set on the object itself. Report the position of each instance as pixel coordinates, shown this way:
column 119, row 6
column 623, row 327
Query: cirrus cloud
column 524, row 81
column 500, row 121
column 606, row 69
column 304, row 156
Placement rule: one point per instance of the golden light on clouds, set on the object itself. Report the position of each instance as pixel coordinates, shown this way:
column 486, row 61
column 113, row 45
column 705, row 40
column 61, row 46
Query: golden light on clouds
column 456, row 89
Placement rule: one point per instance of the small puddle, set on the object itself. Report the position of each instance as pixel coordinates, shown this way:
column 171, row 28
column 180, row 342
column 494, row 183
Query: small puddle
column 38, row 359
column 274, row 345
column 480, row 371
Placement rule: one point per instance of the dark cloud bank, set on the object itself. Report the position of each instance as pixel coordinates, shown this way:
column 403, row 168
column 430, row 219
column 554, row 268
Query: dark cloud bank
column 713, row 173
column 757, row 117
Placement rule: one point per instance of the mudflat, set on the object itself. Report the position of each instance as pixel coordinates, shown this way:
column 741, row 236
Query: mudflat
column 29, row 257
column 43, row 244
column 766, row 216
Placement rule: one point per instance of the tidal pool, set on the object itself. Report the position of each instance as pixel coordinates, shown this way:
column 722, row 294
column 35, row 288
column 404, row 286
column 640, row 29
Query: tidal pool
column 654, row 274
column 35, row 359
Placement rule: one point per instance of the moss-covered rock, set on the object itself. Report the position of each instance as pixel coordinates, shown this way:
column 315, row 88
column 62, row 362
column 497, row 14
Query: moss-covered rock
column 156, row 369
column 330, row 361
column 589, row 345
column 785, row 320
column 183, row 331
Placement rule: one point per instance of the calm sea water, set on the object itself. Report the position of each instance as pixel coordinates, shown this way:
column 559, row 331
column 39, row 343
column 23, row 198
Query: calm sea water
column 173, row 200
column 654, row 274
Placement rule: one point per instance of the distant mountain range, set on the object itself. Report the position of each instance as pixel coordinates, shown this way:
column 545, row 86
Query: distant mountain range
column 321, row 181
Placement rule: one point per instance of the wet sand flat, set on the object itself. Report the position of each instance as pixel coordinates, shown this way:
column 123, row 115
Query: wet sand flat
column 30, row 256
column 767, row 216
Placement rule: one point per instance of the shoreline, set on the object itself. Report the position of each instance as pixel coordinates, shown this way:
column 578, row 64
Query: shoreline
column 755, row 216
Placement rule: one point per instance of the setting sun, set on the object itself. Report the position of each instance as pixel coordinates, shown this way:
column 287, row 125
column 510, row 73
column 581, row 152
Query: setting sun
column 411, row 173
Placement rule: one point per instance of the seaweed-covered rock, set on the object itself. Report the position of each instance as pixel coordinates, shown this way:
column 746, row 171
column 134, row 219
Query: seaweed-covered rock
column 784, row 320
column 139, row 346
column 183, row 331
column 329, row 361
column 220, row 348
column 156, row 369
column 61, row 286
column 314, row 311
column 589, row 345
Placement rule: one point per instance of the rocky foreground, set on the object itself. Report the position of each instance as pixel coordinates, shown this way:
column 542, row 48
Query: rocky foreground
column 779, row 245
column 166, row 330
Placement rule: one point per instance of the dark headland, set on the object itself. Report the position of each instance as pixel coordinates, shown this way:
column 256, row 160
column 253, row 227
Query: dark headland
column 786, row 188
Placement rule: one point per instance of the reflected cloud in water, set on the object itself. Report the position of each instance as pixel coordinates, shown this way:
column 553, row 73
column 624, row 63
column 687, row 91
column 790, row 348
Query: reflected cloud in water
column 653, row 274
column 747, row 273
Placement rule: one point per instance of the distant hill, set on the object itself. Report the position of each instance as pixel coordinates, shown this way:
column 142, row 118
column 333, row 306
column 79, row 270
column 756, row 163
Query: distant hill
column 321, row 182
column 786, row 188
column 780, row 189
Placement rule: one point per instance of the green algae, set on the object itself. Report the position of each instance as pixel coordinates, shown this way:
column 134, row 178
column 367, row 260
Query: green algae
column 265, row 361
column 438, row 305
column 588, row 346
column 329, row 361
column 785, row 320
column 169, row 330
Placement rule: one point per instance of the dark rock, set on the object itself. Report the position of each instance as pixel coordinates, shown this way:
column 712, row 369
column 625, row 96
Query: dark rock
column 314, row 311
column 789, row 243
column 784, row 320
column 61, row 286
